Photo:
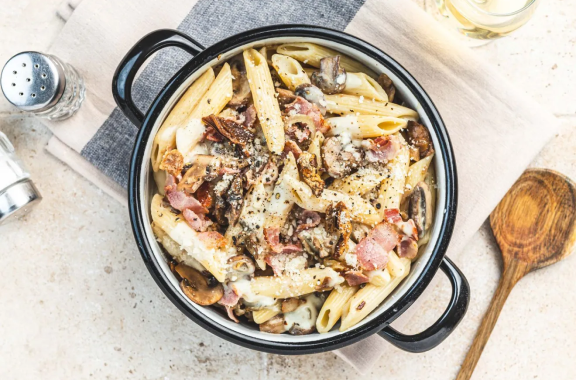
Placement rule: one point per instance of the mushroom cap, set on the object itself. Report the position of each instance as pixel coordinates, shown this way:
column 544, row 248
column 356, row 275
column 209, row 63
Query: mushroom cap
column 312, row 94
column 420, row 208
column 198, row 287
column 331, row 78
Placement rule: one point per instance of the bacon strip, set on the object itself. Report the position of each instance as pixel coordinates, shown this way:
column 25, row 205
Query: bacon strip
column 180, row 200
column 301, row 106
column 272, row 237
column 355, row 278
column 383, row 148
column 198, row 222
column 408, row 246
column 372, row 251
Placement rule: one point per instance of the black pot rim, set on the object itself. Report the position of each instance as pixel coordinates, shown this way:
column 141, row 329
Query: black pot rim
column 385, row 317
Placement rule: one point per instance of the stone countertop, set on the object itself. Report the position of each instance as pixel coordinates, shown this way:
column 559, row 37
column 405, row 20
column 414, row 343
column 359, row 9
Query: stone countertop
column 77, row 301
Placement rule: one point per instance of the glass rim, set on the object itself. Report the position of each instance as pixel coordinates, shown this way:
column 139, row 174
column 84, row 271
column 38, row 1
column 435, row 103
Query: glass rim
column 525, row 7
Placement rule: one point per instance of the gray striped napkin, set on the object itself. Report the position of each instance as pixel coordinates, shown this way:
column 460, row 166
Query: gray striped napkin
column 488, row 119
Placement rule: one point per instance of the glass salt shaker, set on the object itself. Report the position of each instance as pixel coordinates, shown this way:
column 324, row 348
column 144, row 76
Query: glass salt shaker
column 43, row 85
column 17, row 191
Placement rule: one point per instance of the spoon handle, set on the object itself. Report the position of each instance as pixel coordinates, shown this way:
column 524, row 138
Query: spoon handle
column 513, row 271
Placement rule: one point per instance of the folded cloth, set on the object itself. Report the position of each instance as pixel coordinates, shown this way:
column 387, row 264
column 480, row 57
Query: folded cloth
column 495, row 129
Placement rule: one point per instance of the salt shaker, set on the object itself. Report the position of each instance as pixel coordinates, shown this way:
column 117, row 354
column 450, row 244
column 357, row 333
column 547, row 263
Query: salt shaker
column 42, row 84
column 17, row 191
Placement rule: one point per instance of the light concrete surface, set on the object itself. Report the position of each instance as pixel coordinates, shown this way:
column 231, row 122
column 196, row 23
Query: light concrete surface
column 77, row 302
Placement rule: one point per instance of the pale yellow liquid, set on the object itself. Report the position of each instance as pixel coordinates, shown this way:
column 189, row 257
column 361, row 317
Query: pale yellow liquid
column 486, row 19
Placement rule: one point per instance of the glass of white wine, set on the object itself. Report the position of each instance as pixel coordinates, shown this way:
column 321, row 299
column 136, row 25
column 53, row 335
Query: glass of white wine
column 482, row 20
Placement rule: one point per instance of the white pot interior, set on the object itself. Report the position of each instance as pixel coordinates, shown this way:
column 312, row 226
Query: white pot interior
column 147, row 188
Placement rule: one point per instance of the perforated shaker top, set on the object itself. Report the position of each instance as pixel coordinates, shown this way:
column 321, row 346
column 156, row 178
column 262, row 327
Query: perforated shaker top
column 33, row 81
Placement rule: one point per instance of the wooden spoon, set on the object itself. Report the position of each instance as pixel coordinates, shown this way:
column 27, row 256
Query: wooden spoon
column 534, row 226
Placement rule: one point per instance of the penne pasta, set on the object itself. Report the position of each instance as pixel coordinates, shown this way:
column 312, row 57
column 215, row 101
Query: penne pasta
column 213, row 257
column 332, row 309
column 165, row 138
column 396, row 265
column 365, row 126
column 360, row 84
column 289, row 71
column 342, row 104
column 367, row 299
column 392, row 188
column 311, row 54
column 316, row 147
column 360, row 182
column 379, row 277
column 265, row 101
column 282, row 199
column 416, row 173
column 263, row 315
column 360, row 210
column 306, row 281
column 217, row 96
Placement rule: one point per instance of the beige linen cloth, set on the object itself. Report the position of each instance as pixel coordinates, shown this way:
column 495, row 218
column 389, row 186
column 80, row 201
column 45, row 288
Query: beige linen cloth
column 496, row 130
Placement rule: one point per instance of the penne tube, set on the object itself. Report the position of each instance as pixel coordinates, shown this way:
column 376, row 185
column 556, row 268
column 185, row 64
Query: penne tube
column 342, row 104
column 416, row 173
column 263, row 315
column 316, row 147
column 396, row 265
column 360, row 182
column 311, row 54
column 296, row 284
column 367, row 299
column 165, row 138
column 265, row 101
column 360, row 84
column 365, row 126
column 379, row 277
column 282, row 199
column 332, row 309
column 290, row 71
column 217, row 96
column 392, row 188
column 360, row 210
column 211, row 253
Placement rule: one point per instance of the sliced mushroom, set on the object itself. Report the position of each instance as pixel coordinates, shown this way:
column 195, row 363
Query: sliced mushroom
column 285, row 96
column 240, row 85
column 419, row 137
column 240, row 265
column 312, row 94
column 275, row 325
column 235, row 198
column 236, row 133
column 317, row 241
column 220, row 190
column 387, row 85
column 419, row 208
column 302, row 320
column 203, row 168
column 338, row 221
column 310, row 175
column 339, row 161
column 198, row 287
column 331, row 78
column 172, row 162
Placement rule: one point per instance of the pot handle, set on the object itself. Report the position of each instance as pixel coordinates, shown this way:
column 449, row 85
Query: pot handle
column 443, row 327
column 135, row 58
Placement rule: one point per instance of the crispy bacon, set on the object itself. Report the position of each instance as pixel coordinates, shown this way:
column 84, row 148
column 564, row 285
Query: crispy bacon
column 250, row 117
column 233, row 131
column 230, row 313
column 308, row 219
column 198, row 222
column 408, row 233
column 230, row 297
column 272, row 237
column 212, row 134
column 203, row 195
column 383, row 148
column 180, row 200
column 372, row 251
column 392, row 215
column 355, row 278
column 301, row 106
column 291, row 146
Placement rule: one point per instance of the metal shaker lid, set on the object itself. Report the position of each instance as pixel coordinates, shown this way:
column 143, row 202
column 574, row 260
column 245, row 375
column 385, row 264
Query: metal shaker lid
column 18, row 199
column 33, row 81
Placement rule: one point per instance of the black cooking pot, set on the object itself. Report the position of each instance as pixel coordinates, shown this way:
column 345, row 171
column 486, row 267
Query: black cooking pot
column 141, row 188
